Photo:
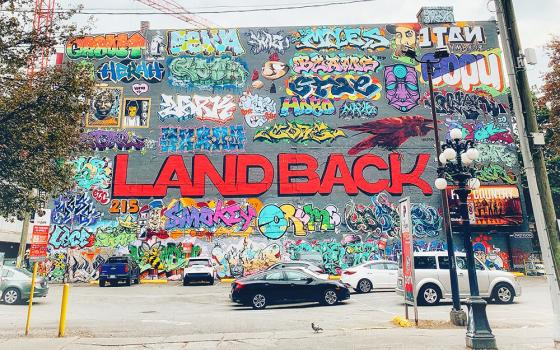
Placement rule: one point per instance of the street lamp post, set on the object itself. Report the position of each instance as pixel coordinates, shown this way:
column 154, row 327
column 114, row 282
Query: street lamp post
column 457, row 315
column 457, row 156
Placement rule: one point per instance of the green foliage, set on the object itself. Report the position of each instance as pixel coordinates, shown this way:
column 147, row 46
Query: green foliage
column 547, row 108
column 40, row 115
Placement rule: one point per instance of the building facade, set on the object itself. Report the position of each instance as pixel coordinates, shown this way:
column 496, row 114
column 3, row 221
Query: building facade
column 256, row 145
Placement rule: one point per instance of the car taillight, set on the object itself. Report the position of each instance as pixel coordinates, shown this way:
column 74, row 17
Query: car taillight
column 349, row 272
column 238, row 285
column 125, row 268
column 100, row 268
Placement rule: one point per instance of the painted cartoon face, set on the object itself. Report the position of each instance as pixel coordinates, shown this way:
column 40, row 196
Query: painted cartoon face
column 401, row 85
column 405, row 36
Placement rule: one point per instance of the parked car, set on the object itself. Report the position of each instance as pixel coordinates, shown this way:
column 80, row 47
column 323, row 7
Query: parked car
column 380, row 274
column 298, row 263
column 286, row 286
column 15, row 285
column 433, row 283
column 199, row 269
column 119, row 269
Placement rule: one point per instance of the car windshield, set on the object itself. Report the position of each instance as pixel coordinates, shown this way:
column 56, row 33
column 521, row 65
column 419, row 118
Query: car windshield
column 117, row 259
column 199, row 262
column 312, row 273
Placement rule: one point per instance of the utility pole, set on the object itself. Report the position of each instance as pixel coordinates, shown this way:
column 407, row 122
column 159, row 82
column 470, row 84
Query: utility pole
column 23, row 240
column 533, row 158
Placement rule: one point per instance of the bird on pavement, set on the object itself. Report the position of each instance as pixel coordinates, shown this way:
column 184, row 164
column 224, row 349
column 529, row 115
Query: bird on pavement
column 316, row 328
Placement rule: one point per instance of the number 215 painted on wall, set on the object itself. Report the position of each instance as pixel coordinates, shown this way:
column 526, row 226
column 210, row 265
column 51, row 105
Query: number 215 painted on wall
column 123, row 206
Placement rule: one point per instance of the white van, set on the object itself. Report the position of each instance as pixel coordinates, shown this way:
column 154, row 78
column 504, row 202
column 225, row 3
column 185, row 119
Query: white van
column 433, row 283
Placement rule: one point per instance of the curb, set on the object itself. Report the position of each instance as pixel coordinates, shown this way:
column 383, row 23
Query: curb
column 153, row 281
column 334, row 277
column 227, row 280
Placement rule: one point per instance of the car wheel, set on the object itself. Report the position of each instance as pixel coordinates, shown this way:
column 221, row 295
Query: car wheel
column 504, row 294
column 429, row 295
column 137, row 280
column 185, row 283
column 12, row 296
column 127, row 281
column 258, row 301
column 364, row 286
column 101, row 283
column 211, row 281
column 329, row 297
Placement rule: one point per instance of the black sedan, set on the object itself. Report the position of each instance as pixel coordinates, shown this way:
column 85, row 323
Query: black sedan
column 286, row 286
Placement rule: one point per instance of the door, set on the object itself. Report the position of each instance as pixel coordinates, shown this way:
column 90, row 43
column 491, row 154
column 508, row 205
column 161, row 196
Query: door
column 298, row 286
column 392, row 272
column 483, row 278
column 273, row 286
column 463, row 276
column 379, row 275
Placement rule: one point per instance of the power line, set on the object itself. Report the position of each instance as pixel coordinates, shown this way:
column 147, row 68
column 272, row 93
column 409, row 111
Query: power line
column 262, row 9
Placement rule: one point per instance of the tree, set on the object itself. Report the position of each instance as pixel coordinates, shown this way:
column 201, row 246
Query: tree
column 40, row 115
column 548, row 116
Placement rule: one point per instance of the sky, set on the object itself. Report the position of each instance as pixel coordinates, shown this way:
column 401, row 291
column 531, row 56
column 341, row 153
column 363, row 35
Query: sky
column 536, row 23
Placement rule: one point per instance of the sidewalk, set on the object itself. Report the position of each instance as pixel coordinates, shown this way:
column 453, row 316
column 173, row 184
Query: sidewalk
column 378, row 338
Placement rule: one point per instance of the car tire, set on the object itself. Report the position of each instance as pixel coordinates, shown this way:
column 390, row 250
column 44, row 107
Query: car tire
column 258, row 301
column 364, row 286
column 101, row 283
column 185, row 283
column 127, row 281
column 429, row 295
column 211, row 281
column 329, row 297
column 503, row 293
column 12, row 296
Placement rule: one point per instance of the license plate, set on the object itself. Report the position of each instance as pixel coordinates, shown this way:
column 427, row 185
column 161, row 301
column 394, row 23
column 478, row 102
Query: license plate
column 112, row 276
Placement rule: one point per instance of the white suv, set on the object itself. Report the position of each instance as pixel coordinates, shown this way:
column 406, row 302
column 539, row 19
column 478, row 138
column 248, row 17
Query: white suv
column 433, row 283
column 199, row 269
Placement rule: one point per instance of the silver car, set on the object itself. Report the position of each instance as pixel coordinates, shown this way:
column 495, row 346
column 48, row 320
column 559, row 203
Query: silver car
column 15, row 285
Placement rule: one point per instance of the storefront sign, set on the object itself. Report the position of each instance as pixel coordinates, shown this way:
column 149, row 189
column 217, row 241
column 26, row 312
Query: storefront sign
column 523, row 235
column 498, row 205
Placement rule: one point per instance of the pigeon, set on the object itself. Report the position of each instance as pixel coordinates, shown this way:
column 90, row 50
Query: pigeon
column 316, row 328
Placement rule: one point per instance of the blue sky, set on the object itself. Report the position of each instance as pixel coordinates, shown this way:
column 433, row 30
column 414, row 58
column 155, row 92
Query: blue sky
column 537, row 20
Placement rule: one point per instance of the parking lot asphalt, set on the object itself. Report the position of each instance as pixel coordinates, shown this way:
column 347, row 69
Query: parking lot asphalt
column 173, row 310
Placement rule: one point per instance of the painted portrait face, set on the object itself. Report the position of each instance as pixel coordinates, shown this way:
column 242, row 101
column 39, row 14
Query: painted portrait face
column 132, row 110
column 401, row 85
column 103, row 104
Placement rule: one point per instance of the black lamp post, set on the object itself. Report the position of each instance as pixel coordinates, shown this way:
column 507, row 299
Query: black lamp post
column 456, row 157
column 457, row 315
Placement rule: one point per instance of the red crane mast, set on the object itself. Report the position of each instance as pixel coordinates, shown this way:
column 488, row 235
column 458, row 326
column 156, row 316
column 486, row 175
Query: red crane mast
column 42, row 22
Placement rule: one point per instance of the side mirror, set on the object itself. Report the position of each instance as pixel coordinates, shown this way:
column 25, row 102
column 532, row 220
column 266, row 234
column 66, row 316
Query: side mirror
column 309, row 280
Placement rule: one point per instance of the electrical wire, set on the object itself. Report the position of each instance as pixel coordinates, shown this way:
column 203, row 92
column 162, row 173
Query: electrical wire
column 262, row 9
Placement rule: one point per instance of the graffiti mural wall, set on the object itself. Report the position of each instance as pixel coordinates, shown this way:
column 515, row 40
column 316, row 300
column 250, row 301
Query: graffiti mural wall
column 252, row 146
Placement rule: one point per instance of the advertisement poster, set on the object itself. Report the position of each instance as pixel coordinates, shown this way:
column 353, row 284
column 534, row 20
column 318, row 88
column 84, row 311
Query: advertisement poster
column 40, row 236
column 407, row 254
column 498, row 205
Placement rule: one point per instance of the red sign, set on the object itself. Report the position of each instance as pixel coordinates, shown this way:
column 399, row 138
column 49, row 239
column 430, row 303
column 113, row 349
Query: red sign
column 407, row 250
column 489, row 205
column 39, row 242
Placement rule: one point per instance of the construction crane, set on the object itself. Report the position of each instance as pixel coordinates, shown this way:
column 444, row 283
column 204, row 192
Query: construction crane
column 174, row 9
column 42, row 22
